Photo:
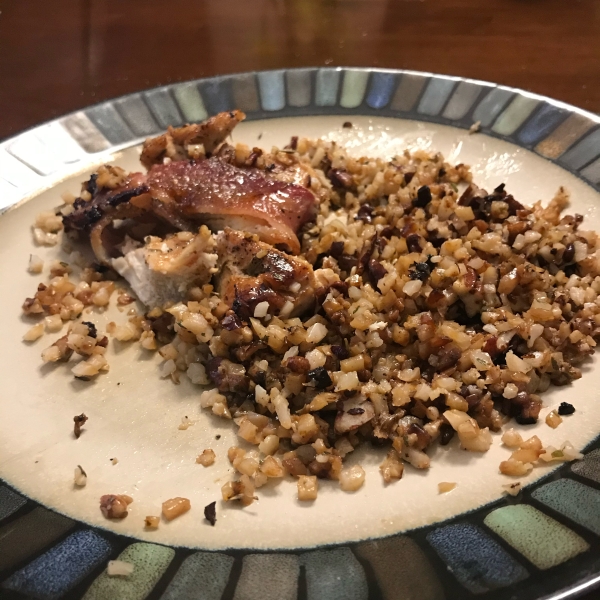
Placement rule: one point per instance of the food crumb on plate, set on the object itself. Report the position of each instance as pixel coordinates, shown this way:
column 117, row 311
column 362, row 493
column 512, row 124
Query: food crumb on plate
column 566, row 409
column 352, row 479
column 553, row 419
column 513, row 488
column 307, row 488
column 119, row 568
column 531, row 453
column 445, row 486
column 79, row 422
column 80, row 476
column 114, row 506
column 151, row 522
column 36, row 264
column 34, row 333
column 475, row 127
column 175, row 507
column 186, row 422
column 210, row 513
column 207, row 458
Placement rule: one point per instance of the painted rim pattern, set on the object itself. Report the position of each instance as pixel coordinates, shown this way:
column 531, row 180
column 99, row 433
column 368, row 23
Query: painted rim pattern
column 543, row 544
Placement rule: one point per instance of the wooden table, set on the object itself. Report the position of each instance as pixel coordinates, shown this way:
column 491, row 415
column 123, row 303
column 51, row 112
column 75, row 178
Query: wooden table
column 59, row 56
column 62, row 55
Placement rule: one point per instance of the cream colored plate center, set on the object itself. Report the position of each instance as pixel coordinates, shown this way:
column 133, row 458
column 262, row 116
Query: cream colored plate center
column 134, row 415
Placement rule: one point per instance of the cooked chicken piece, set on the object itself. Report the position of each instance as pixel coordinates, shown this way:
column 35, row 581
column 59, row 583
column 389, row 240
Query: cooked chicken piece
column 220, row 194
column 253, row 272
column 190, row 141
column 164, row 269
column 181, row 194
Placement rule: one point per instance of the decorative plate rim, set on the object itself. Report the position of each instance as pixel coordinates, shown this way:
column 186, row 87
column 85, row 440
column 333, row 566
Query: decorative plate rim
column 526, row 119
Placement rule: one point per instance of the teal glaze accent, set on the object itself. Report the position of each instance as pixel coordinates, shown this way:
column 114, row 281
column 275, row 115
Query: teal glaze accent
column 435, row 96
column 110, row 123
column 298, row 87
column 515, row 115
column 268, row 577
column 583, row 152
column 572, row 499
column 491, row 106
column 163, row 107
column 328, row 81
column 334, row 575
column 137, row 115
column 149, row 562
column 353, row 87
column 272, row 90
column 85, row 133
column 463, row 98
column 201, row 576
column 190, row 102
column 539, row 538
column 245, row 92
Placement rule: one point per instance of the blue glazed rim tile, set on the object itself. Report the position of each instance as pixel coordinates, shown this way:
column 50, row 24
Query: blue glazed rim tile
column 565, row 135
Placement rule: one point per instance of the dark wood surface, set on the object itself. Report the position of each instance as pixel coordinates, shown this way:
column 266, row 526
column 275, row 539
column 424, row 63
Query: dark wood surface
column 60, row 55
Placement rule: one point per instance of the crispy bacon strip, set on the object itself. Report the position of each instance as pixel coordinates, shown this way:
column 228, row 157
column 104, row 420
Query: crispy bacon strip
column 252, row 272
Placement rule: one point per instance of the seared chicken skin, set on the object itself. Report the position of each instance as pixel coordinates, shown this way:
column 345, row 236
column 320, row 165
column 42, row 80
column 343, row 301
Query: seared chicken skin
column 252, row 272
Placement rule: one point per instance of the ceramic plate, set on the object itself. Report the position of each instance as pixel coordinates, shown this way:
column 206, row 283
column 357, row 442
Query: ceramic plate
column 401, row 541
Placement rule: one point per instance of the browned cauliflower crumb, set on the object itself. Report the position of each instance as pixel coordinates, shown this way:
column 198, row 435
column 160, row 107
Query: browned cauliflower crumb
column 207, row 458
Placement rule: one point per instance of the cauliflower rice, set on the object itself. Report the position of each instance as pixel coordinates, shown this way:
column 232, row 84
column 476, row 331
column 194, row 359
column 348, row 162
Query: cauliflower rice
column 441, row 310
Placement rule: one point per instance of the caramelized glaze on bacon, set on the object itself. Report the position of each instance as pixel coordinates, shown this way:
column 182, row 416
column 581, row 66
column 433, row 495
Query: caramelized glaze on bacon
column 220, row 195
